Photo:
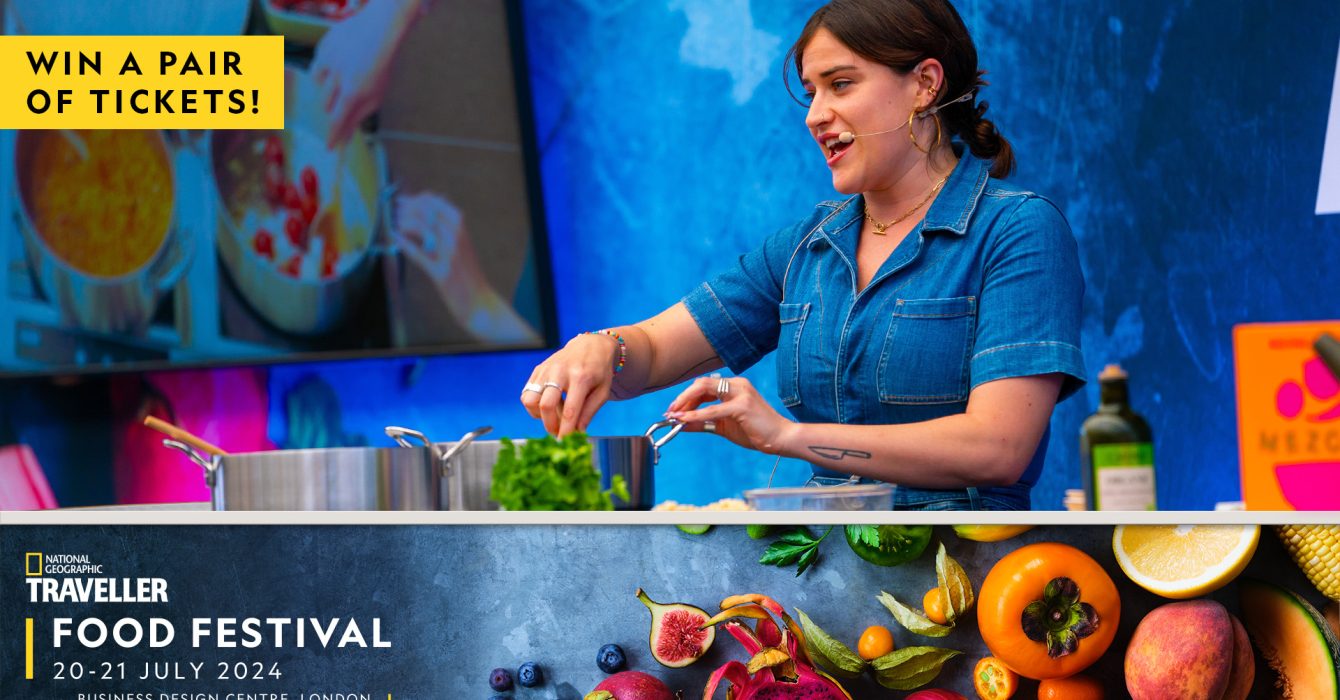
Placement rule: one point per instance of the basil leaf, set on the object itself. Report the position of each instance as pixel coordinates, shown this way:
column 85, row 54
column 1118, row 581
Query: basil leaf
column 781, row 554
column 954, row 580
column 829, row 653
column 911, row 667
column 795, row 546
column 911, row 619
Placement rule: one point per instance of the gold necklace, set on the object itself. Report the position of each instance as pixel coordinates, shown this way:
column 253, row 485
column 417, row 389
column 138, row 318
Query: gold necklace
column 881, row 228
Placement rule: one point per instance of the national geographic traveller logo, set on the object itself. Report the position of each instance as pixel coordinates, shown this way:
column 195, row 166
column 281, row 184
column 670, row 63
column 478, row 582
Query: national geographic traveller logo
column 78, row 578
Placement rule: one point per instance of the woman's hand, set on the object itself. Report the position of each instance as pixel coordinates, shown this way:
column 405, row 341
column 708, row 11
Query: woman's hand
column 430, row 233
column 567, row 389
column 742, row 416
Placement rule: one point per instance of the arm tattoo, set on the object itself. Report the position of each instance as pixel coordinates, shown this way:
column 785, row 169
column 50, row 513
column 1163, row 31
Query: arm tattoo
column 837, row 454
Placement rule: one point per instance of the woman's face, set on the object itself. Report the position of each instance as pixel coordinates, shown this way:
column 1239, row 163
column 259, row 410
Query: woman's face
column 850, row 93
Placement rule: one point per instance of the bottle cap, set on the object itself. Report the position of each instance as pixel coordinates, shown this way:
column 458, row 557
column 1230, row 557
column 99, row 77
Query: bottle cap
column 1112, row 371
column 1328, row 349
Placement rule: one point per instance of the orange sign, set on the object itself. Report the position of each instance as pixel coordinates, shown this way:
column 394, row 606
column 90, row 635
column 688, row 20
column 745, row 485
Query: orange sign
column 1288, row 417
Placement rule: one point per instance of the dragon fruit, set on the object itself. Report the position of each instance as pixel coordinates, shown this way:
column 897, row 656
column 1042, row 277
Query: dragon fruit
column 773, row 673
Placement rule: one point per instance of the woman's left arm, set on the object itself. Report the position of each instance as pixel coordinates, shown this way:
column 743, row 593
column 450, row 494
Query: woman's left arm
column 991, row 444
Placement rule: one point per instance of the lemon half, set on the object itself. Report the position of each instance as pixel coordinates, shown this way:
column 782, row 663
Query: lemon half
column 1184, row 561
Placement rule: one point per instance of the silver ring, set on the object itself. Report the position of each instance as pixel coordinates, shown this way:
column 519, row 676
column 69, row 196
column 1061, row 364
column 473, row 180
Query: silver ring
column 554, row 385
column 532, row 386
column 710, row 426
column 723, row 387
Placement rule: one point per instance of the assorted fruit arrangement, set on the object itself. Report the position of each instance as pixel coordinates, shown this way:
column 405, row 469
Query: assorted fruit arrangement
column 1047, row 612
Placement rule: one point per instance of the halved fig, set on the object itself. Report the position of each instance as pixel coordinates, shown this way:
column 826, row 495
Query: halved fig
column 677, row 635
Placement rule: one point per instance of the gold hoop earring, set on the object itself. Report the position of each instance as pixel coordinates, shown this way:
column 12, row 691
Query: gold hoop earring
column 912, row 133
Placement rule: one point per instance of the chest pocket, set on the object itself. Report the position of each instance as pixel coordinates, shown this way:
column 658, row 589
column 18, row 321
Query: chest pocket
column 792, row 319
column 926, row 351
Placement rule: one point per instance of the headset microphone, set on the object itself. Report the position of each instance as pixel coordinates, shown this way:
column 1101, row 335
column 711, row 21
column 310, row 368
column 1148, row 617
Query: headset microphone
column 848, row 137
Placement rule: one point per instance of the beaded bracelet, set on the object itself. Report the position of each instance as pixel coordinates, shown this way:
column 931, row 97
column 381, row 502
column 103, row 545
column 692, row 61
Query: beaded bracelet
column 623, row 347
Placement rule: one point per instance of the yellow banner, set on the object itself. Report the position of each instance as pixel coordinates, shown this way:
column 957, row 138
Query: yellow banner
column 142, row 82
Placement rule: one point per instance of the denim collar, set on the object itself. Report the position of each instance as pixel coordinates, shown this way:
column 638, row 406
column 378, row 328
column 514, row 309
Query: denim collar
column 951, row 211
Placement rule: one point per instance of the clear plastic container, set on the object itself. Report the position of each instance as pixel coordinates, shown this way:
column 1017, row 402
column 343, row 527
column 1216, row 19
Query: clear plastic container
column 854, row 497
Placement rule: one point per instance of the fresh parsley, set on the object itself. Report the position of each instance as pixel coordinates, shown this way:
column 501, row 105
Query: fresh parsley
column 551, row 474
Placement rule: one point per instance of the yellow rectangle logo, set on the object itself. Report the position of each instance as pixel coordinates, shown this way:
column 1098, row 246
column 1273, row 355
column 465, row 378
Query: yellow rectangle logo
column 142, row 82
column 28, row 648
column 32, row 564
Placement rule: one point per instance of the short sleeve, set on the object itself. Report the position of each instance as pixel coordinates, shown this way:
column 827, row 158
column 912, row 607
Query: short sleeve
column 738, row 309
column 1032, row 300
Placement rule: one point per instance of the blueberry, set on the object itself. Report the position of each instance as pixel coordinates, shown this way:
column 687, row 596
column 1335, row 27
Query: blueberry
column 610, row 658
column 500, row 679
column 529, row 675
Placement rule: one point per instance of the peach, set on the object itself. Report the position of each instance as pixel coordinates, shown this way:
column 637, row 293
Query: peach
column 1184, row 650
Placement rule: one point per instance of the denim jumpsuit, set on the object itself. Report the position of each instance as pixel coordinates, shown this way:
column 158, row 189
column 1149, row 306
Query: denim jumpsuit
column 988, row 286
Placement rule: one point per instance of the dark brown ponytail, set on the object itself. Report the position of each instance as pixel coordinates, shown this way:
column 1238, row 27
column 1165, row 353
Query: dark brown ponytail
column 901, row 34
column 980, row 134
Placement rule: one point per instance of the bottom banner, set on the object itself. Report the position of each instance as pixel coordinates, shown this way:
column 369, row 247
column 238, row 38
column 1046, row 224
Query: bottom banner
column 654, row 612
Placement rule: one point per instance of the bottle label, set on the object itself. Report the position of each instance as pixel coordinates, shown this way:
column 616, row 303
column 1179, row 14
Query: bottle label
column 1123, row 476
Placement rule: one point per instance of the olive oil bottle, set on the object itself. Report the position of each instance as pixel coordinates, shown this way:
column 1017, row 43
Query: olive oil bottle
column 1117, row 450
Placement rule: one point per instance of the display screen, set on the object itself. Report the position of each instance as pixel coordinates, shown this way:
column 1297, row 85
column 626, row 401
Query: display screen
column 398, row 212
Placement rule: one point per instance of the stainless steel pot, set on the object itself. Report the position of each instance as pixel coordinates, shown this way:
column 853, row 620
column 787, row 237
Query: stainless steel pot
column 346, row 478
column 120, row 304
column 468, row 470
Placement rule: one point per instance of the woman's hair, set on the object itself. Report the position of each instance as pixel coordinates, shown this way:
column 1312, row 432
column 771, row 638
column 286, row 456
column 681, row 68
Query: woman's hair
column 901, row 34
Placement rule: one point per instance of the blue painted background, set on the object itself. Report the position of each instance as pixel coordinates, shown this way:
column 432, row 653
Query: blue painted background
column 1182, row 139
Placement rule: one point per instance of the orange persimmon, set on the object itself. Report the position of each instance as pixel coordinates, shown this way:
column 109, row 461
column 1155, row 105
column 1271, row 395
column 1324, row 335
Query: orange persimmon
column 1048, row 610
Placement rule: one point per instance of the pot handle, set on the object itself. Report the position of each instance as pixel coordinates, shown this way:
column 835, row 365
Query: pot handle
column 399, row 434
column 657, row 444
column 461, row 444
column 208, row 465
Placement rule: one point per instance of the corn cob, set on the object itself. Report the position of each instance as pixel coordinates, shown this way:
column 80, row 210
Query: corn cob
column 1316, row 549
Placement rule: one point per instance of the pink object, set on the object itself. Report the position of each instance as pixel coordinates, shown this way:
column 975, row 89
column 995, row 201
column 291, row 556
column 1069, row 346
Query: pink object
column 23, row 485
column 1289, row 399
column 1319, row 379
column 228, row 407
column 1310, row 485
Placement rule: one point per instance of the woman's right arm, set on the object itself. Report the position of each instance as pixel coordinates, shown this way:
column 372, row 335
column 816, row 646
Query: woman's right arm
column 662, row 351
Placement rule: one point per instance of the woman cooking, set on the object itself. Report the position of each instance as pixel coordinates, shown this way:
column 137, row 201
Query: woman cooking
column 925, row 326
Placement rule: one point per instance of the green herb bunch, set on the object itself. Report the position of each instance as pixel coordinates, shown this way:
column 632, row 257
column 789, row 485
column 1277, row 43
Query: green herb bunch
column 552, row 474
